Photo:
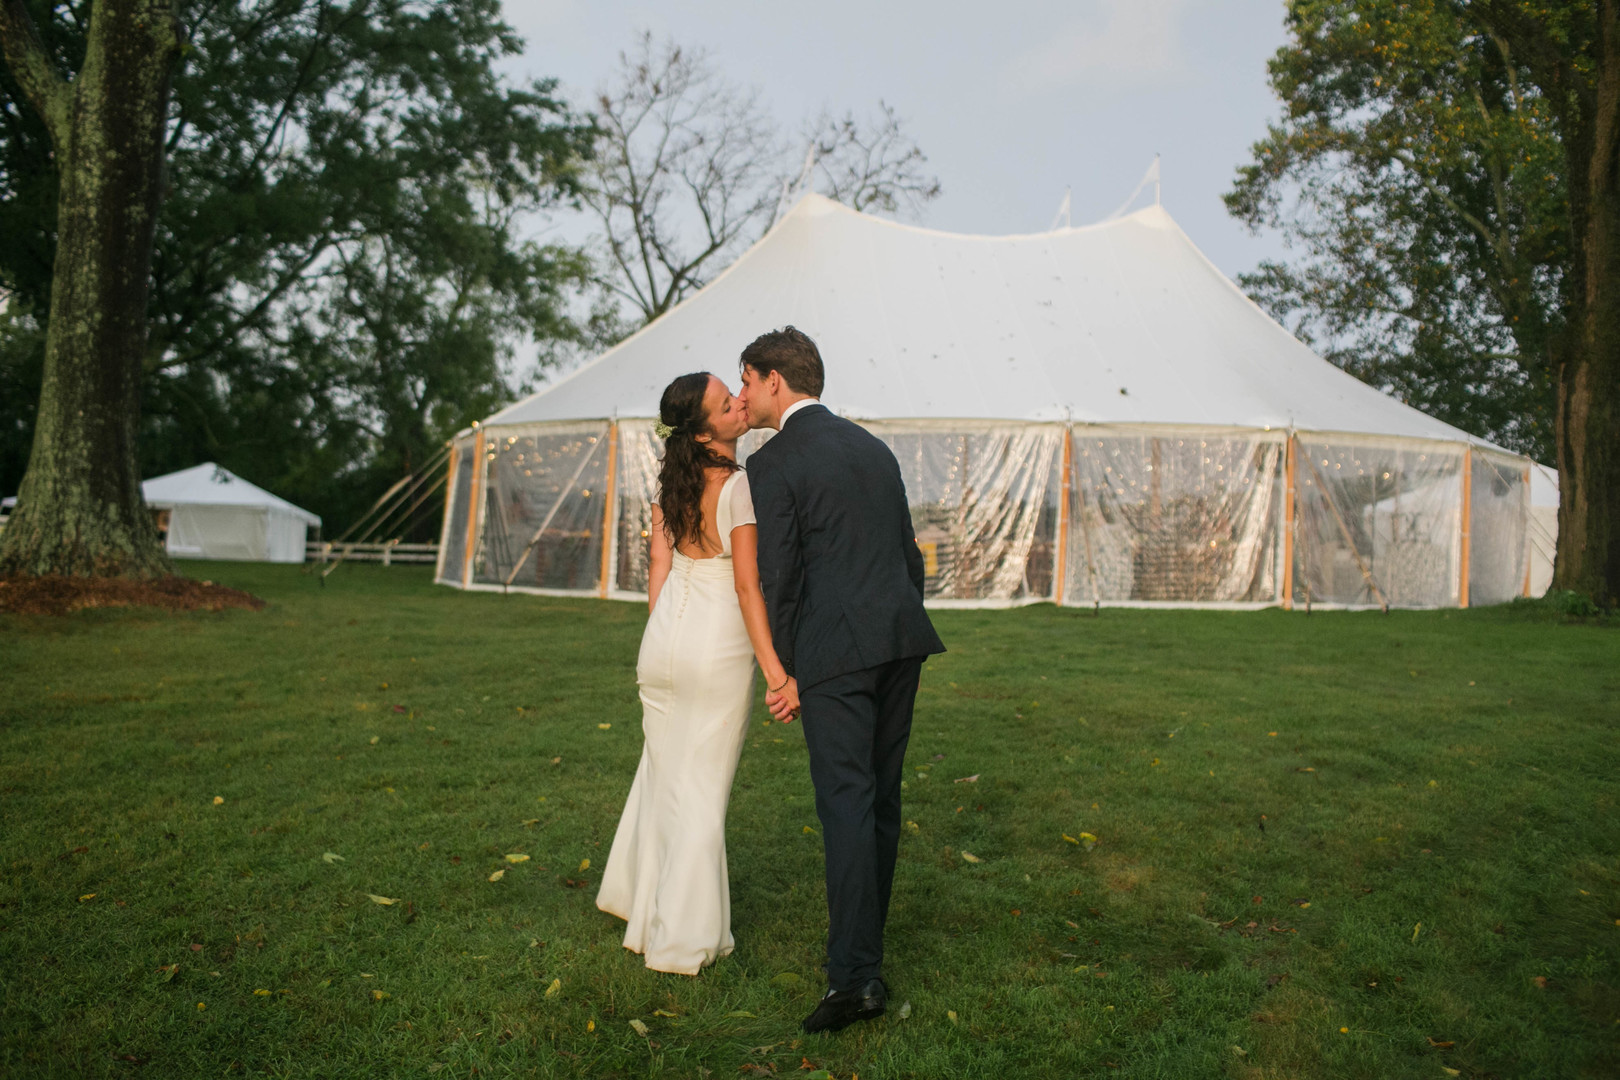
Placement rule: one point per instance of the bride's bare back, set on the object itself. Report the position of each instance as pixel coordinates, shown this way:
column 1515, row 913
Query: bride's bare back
column 713, row 481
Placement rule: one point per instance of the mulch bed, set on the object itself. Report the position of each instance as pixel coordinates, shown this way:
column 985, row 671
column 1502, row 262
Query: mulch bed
column 57, row 595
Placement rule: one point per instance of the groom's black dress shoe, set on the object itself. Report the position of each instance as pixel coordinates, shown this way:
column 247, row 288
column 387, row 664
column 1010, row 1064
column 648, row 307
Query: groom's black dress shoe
column 842, row 1008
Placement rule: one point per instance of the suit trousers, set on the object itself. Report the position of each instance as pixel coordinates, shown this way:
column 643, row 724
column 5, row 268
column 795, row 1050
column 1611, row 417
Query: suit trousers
column 856, row 727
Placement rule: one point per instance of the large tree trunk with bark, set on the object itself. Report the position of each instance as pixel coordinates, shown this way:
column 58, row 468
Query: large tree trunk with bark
column 1588, row 417
column 79, row 509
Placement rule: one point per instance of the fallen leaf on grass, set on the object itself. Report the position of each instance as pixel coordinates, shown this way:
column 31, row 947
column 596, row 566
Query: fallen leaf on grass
column 914, row 827
column 219, row 800
column 1088, row 840
column 530, row 821
column 808, row 831
column 333, row 858
column 378, row 995
column 87, row 896
column 1439, row 1044
column 168, row 971
column 385, row 901
column 516, row 857
column 261, row 993
column 664, row 1012
column 1449, row 1071
column 639, row 1028
column 950, row 1014
column 1540, row 981
column 375, row 739
column 968, row 856
column 584, row 865
column 1415, row 931
column 905, row 1011
column 555, row 988
column 590, row 1025
column 195, row 947
column 497, row 875
column 974, row 779
column 603, row 727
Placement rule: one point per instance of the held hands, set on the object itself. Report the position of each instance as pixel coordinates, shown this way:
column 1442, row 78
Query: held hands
column 784, row 701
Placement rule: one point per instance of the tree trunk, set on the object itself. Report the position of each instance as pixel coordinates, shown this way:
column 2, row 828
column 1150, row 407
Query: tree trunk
column 1588, row 418
column 79, row 508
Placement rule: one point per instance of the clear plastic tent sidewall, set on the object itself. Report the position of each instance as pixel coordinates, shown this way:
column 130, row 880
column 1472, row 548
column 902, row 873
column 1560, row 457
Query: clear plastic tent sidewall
column 1010, row 513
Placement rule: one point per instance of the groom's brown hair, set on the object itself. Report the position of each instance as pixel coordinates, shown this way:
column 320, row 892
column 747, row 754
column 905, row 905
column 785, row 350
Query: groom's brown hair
column 790, row 353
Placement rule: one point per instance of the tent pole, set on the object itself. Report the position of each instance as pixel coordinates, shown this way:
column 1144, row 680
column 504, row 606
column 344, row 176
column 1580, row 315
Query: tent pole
column 1526, row 502
column 449, row 498
column 472, row 507
column 1467, row 513
column 1291, row 455
column 1060, row 579
column 610, row 493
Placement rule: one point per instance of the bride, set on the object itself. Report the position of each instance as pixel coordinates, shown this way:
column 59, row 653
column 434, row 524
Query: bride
column 666, row 872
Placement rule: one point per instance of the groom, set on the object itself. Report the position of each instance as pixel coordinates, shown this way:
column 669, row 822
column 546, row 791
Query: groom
column 843, row 583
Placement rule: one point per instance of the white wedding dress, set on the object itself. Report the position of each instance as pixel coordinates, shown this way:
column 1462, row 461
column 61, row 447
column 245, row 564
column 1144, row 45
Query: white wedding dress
column 666, row 872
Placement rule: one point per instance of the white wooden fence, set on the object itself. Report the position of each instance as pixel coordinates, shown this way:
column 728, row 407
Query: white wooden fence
column 387, row 553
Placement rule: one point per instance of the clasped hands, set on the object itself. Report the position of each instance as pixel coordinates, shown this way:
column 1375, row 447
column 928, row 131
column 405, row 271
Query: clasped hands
column 783, row 701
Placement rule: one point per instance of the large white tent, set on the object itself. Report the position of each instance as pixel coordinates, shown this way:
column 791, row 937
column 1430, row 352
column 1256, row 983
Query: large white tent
column 1085, row 415
column 214, row 514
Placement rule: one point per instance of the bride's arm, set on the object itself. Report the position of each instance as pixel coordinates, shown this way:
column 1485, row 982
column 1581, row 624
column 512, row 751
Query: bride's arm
column 745, row 572
column 660, row 558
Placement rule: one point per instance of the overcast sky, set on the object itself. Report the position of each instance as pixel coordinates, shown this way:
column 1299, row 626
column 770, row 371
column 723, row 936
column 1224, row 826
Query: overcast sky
column 1012, row 102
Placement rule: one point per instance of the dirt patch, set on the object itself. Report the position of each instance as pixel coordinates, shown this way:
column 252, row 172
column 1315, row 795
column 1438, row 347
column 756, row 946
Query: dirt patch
column 57, row 595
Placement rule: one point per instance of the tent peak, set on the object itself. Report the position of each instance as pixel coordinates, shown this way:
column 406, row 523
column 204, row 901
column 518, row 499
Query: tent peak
column 815, row 205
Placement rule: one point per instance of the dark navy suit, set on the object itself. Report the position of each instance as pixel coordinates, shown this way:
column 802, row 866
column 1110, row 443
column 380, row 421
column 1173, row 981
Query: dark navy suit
column 843, row 584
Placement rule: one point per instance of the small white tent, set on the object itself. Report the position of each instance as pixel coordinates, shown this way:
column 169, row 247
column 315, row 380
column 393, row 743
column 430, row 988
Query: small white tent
column 1084, row 415
column 214, row 514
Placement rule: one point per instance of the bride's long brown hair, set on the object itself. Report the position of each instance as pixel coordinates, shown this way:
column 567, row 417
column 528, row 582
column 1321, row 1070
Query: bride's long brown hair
column 681, row 478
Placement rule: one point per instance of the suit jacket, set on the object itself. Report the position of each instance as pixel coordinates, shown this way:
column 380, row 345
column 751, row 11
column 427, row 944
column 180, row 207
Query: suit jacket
column 838, row 561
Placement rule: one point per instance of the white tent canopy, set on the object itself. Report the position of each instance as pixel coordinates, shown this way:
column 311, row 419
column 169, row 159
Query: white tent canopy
column 1090, row 414
column 916, row 324
column 215, row 514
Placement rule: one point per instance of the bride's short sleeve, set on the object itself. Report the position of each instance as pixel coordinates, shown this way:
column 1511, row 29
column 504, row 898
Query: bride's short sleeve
column 742, row 502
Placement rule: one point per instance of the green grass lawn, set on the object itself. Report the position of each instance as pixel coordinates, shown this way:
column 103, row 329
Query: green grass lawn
column 1342, row 845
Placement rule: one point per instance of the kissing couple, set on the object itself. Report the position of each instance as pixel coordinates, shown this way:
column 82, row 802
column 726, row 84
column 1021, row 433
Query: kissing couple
column 805, row 564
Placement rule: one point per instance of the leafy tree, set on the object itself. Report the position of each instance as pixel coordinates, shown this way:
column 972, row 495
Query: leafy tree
column 1435, row 162
column 340, row 271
